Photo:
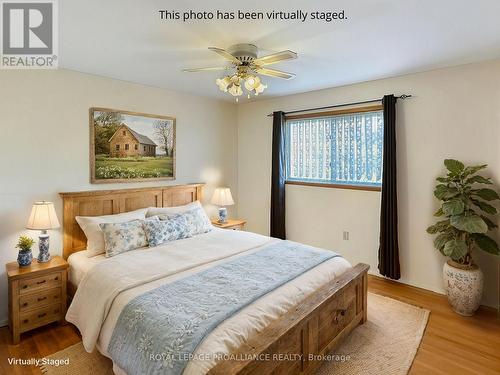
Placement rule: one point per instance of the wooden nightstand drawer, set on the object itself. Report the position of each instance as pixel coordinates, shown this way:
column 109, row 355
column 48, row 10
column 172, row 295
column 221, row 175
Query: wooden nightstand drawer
column 236, row 227
column 43, row 282
column 40, row 317
column 40, row 299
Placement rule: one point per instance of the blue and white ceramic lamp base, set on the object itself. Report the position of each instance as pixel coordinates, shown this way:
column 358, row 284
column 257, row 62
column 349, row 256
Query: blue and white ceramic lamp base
column 43, row 246
column 222, row 215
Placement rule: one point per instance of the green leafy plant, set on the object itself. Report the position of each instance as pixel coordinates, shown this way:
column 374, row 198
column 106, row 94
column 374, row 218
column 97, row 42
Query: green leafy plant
column 25, row 243
column 464, row 211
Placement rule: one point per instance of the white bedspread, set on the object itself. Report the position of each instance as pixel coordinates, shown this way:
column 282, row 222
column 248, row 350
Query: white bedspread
column 110, row 284
column 80, row 264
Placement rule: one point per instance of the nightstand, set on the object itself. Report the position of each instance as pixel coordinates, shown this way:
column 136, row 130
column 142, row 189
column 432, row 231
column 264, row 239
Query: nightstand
column 233, row 224
column 37, row 294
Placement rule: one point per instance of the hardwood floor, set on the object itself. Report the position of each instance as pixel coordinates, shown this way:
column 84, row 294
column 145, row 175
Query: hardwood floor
column 452, row 344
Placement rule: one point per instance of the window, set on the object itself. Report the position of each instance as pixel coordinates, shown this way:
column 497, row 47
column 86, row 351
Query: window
column 337, row 148
column 124, row 132
column 126, row 146
column 117, row 147
column 144, row 148
column 136, row 146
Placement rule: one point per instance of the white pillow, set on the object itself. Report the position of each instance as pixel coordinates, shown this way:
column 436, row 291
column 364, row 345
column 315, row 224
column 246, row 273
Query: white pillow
column 155, row 211
column 95, row 237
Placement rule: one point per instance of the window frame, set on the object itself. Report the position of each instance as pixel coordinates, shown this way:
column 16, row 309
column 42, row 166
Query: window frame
column 339, row 112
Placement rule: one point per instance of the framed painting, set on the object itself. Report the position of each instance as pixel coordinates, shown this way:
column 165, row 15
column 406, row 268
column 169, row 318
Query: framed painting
column 129, row 146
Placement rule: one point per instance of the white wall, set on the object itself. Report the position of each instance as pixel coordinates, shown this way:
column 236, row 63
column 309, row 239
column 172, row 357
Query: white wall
column 455, row 112
column 44, row 133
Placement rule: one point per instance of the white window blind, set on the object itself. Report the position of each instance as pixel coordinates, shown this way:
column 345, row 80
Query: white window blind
column 343, row 149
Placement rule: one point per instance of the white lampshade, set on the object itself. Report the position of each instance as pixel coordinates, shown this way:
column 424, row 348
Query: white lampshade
column 43, row 216
column 222, row 197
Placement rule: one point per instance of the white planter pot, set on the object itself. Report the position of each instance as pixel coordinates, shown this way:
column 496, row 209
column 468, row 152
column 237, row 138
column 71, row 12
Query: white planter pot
column 464, row 287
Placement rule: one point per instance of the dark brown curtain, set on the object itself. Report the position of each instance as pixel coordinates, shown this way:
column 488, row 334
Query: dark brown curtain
column 388, row 252
column 278, row 177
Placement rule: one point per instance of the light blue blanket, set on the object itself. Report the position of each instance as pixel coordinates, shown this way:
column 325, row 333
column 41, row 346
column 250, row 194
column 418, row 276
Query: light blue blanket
column 157, row 332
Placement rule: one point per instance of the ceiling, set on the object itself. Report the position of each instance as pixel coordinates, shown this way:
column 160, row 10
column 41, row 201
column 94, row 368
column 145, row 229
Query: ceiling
column 127, row 40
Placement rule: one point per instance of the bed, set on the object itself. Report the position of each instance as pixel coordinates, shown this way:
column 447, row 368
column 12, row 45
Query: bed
column 285, row 330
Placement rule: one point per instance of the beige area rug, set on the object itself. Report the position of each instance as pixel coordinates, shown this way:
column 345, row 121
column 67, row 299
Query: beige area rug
column 385, row 345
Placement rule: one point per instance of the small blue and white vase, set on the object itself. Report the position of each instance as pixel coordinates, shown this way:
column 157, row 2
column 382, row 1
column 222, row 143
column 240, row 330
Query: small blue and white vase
column 24, row 257
column 43, row 247
column 222, row 215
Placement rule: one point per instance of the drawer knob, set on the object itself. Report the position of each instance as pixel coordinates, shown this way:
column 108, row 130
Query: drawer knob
column 41, row 282
column 25, row 321
column 42, row 315
column 25, row 304
column 57, row 278
column 25, row 286
column 41, row 298
column 340, row 312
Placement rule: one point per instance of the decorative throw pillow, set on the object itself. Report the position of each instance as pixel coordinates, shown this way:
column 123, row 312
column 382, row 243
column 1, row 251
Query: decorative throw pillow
column 95, row 238
column 196, row 219
column 122, row 237
column 161, row 231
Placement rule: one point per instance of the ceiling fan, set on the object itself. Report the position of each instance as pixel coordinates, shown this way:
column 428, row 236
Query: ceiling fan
column 245, row 68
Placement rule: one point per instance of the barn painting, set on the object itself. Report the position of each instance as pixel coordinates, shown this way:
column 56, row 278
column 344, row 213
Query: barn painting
column 129, row 146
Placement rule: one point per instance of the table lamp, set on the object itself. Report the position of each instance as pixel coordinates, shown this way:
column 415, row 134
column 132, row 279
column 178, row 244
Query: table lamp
column 43, row 217
column 222, row 197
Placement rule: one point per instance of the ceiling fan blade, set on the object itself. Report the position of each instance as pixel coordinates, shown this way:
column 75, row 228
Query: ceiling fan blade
column 275, row 73
column 193, row 70
column 225, row 54
column 275, row 58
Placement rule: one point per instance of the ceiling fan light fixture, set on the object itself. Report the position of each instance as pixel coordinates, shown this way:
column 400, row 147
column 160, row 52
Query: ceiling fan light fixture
column 246, row 68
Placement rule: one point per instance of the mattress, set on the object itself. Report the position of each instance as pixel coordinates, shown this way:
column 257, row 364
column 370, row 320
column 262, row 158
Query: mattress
column 229, row 335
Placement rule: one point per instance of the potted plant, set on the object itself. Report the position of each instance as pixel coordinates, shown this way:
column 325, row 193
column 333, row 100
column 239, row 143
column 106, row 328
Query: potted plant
column 25, row 255
column 462, row 229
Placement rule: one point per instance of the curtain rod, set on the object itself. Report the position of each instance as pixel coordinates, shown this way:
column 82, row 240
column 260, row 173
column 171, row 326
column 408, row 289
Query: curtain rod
column 404, row 96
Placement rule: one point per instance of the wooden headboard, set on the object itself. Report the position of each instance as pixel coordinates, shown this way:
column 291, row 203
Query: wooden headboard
column 108, row 202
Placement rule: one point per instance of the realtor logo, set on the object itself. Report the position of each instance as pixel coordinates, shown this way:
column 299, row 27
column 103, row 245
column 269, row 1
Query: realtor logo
column 29, row 34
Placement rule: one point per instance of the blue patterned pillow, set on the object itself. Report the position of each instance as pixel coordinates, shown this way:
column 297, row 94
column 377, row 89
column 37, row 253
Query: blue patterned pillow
column 196, row 219
column 122, row 237
column 161, row 231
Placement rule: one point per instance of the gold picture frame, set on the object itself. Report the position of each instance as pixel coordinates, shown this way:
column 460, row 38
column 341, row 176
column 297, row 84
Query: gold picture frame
column 130, row 146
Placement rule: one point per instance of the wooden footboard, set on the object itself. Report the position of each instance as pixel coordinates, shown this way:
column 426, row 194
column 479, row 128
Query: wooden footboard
column 298, row 342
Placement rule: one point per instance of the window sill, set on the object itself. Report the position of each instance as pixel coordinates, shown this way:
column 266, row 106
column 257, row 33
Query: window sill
column 334, row 186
